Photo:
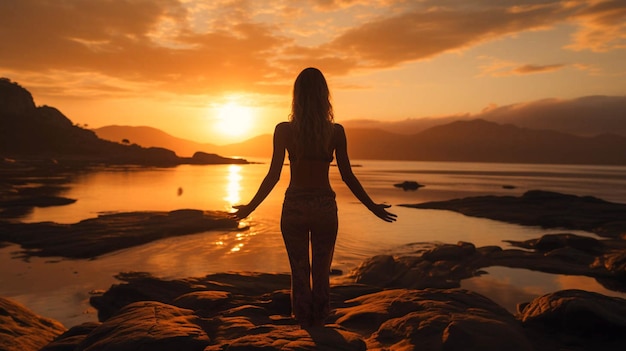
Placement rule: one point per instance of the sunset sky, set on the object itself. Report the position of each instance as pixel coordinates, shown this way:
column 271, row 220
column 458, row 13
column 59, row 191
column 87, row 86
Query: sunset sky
column 222, row 71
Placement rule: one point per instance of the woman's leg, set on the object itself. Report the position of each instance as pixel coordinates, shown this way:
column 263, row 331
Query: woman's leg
column 323, row 237
column 296, row 237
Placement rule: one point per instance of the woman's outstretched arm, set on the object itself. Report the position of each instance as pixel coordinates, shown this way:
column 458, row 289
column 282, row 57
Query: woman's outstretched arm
column 272, row 177
column 345, row 169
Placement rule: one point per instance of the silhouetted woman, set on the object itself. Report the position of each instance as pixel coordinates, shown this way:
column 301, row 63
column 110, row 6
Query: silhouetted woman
column 309, row 211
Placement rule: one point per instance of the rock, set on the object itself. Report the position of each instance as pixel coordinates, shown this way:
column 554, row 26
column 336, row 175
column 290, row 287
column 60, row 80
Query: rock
column 148, row 325
column 23, row 330
column 450, row 252
column 378, row 271
column 591, row 320
column 408, row 185
column 14, row 99
column 550, row 242
column 251, row 311
column 286, row 338
column 203, row 293
column 573, row 255
column 445, row 265
column 543, row 208
column 202, row 301
column 71, row 338
column 110, row 232
column 432, row 319
column 205, row 158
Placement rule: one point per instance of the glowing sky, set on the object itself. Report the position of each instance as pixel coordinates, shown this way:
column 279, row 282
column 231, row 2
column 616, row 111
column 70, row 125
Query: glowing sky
column 180, row 65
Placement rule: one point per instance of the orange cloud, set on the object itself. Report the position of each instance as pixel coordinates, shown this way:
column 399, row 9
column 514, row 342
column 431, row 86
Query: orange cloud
column 206, row 47
column 602, row 26
column 424, row 34
column 532, row 69
column 116, row 41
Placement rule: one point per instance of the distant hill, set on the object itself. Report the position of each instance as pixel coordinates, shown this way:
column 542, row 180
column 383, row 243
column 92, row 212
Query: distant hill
column 151, row 137
column 584, row 116
column 467, row 140
column 31, row 132
column 260, row 146
column 484, row 141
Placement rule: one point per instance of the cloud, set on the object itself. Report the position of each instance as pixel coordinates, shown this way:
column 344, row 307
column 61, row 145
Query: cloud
column 602, row 26
column 531, row 69
column 503, row 68
column 205, row 47
column 424, row 34
column 123, row 41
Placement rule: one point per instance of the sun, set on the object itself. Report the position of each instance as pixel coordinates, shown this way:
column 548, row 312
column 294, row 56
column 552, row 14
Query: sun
column 234, row 119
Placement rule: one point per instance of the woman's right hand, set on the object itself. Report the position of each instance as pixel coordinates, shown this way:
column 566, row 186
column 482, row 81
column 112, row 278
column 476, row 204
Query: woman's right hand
column 380, row 210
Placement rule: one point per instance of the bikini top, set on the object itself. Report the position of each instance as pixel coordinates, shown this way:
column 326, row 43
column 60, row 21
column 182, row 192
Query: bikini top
column 329, row 158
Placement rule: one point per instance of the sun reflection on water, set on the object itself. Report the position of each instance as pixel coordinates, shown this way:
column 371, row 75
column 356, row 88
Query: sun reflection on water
column 233, row 185
column 234, row 242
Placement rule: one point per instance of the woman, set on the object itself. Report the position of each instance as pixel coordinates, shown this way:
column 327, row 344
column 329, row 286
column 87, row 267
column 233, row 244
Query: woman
column 309, row 210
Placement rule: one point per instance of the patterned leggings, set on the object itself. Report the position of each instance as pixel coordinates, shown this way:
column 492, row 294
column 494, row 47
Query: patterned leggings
column 309, row 216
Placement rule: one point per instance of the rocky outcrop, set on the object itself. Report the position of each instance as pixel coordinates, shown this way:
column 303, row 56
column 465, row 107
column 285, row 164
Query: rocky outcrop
column 432, row 319
column 14, row 100
column 23, row 330
column 148, row 325
column 543, row 208
column 445, row 265
column 205, row 158
column 110, row 232
column 590, row 321
column 409, row 185
column 251, row 311
column 31, row 132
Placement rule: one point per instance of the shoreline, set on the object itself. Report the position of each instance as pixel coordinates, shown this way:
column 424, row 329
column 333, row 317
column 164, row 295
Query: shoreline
column 232, row 311
column 431, row 274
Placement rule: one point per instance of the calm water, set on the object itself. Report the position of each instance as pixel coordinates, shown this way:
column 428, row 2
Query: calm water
column 60, row 288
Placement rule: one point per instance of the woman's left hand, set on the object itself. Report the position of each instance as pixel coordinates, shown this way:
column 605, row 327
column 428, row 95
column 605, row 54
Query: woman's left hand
column 243, row 211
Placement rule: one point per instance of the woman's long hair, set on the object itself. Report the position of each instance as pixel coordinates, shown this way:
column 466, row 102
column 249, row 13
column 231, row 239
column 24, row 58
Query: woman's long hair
column 311, row 114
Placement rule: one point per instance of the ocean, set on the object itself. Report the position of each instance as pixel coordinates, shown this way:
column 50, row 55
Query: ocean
column 60, row 288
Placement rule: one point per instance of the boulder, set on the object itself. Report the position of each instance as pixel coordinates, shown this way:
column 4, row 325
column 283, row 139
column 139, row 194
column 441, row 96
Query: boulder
column 409, row 185
column 106, row 233
column 432, row 319
column 543, row 208
column 251, row 312
column 578, row 317
column 23, row 330
column 148, row 325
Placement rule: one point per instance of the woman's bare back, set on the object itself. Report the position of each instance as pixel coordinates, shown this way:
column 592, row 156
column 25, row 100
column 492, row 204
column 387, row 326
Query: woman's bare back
column 306, row 173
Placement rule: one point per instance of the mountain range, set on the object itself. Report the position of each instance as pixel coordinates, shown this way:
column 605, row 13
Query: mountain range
column 31, row 131
column 475, row 140
column 583, row 116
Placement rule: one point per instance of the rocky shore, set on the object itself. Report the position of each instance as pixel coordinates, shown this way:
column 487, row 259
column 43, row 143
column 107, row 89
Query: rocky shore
column 390, row 302
column 250, row 311
column 109, row 232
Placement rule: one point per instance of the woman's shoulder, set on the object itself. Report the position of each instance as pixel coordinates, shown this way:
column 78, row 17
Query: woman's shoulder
column 283, row 127
column 283, row 131
column 338, row 129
